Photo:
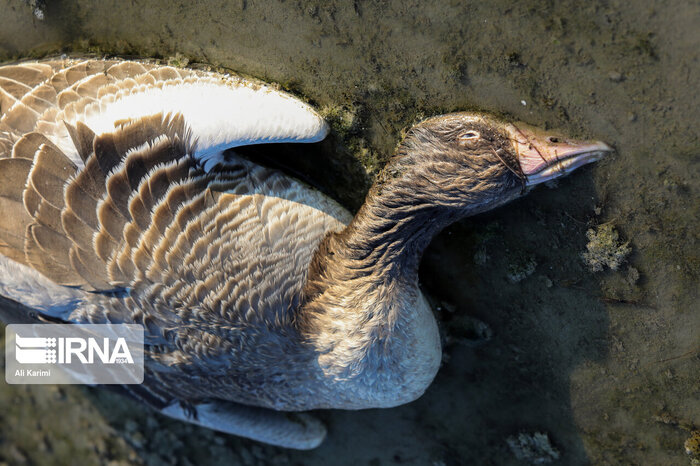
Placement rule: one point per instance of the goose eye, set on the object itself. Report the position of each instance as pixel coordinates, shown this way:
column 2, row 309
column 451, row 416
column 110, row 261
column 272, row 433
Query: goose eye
column 470, row 135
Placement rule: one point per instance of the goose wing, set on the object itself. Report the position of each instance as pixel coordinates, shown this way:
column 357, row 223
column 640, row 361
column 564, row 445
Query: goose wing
column 223, row 111
column 126, row 221
column 79, row 138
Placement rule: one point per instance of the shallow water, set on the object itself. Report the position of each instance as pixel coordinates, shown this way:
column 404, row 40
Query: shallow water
column 605, row 363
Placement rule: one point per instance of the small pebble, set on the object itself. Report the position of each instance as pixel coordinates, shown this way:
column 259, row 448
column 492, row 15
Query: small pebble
column 631, row 116
column 615, row 76
column 632, row 275
column 130, row 425
column 523, row 103
column 151, row 423
column 137, row 439
column 448, row 307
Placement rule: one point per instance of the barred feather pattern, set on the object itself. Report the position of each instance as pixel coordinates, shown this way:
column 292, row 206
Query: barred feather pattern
column 133, row 218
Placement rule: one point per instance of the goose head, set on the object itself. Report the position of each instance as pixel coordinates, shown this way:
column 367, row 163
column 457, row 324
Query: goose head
column 363, row 305
column 466, row 163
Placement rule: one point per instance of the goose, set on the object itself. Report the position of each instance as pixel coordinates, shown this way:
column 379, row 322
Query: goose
column 124, row 201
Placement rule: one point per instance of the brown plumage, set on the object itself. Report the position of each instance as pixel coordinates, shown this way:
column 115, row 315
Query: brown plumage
column 253, row 288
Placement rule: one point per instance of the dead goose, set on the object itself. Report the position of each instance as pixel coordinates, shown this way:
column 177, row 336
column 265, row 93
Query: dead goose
column 257, row 293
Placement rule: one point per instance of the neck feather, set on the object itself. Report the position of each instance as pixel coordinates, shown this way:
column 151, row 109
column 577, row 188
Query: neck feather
column 373, row 263
column 387, row 237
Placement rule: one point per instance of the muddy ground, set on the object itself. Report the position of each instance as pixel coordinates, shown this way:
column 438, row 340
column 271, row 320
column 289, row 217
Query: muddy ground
column 606, row 364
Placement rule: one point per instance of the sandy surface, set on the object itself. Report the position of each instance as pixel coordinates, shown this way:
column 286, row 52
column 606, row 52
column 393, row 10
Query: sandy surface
column 605, row 363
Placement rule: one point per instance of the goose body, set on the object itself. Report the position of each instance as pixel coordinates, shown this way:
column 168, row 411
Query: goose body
column 123, row 201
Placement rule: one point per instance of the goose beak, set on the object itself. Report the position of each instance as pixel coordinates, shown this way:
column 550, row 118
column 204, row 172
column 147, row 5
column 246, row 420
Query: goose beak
column 544, row 157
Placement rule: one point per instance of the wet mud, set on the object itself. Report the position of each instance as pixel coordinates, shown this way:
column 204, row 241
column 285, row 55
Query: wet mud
column 605, row 362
